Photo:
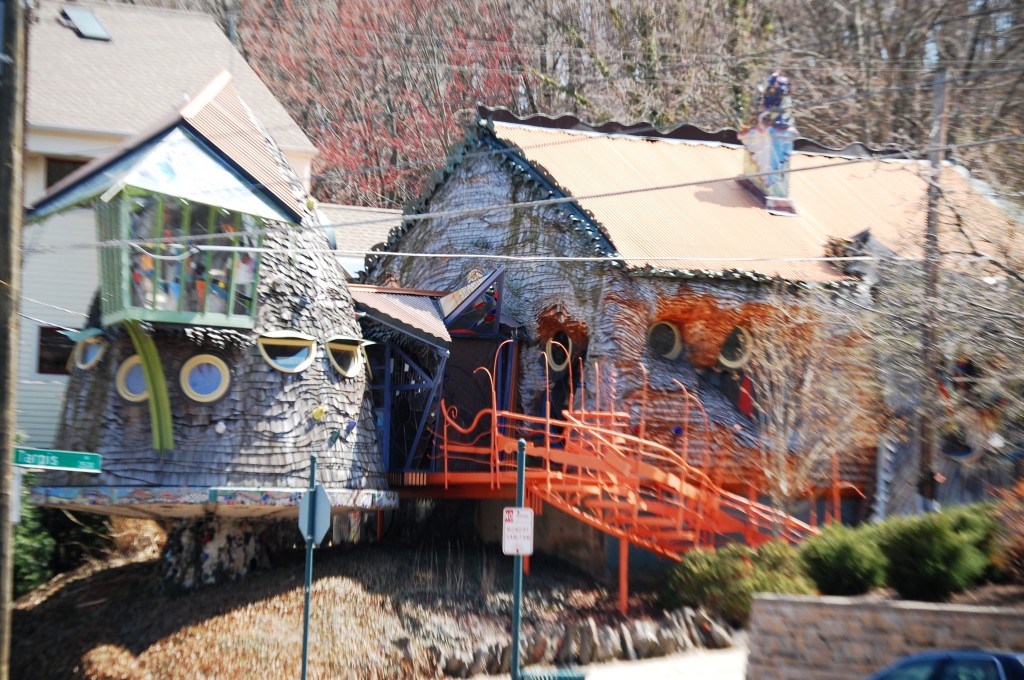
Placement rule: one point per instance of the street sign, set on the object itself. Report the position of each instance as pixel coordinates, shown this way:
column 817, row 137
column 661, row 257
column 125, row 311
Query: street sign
column 46, row 459
column 517, row 531
column 314, row 514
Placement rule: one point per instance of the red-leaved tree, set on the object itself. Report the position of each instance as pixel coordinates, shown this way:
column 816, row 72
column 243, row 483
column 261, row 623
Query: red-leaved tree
column 383, row 88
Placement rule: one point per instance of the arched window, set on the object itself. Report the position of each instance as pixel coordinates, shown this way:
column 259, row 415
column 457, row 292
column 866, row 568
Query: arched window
column 287, row 351
column 346, row 355
column 205, row 378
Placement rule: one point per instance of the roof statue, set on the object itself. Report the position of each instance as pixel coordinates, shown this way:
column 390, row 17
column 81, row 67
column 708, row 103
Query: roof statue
column 768, row 138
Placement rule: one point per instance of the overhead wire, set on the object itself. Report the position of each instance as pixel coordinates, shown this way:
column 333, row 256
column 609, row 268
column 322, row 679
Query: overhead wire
column 464, row 212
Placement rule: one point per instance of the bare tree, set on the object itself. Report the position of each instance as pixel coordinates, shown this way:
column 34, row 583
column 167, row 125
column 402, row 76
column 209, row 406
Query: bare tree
column 814, row 393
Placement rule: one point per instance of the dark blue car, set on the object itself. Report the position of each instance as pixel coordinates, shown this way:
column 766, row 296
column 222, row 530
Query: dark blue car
column 960, row 665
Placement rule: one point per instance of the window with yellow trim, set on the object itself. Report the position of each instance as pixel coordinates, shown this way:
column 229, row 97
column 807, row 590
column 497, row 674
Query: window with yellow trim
column 287, row 351
column 131, row 380
column 88, row 352
column 205, row 378
column 346, row 355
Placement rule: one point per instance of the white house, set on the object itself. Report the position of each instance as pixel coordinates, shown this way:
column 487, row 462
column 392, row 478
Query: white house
column 99, row 75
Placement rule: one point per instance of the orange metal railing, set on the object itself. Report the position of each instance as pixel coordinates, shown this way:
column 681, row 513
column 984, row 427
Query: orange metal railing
column 589, row 464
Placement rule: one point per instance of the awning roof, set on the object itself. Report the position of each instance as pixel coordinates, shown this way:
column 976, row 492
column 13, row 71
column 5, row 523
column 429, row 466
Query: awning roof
column 413, row 312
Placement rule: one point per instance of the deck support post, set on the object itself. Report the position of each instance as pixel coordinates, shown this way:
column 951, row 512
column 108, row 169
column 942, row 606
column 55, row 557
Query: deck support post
column 623, row 574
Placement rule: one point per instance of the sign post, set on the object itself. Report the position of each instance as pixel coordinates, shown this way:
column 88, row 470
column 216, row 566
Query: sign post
column 314, row 519
column 48, row 459
column 517, row 539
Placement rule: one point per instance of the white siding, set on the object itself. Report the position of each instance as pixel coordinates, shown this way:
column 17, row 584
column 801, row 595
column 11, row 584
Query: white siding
column 56, row 288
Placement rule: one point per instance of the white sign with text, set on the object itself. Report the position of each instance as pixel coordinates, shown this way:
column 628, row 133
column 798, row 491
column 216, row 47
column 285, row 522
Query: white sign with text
column 517, row 531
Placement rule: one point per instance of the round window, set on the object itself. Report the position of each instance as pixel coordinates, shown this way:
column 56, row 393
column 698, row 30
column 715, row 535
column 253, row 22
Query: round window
column 205, row 378
column 737, row 348
column 665, row 340
column 88, row 352
column 287, row 351
column 346, row 355
column 558, row 351
column 131, row 380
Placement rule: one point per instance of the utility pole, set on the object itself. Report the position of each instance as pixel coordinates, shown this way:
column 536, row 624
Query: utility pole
column 930, row 357
column 12, row 142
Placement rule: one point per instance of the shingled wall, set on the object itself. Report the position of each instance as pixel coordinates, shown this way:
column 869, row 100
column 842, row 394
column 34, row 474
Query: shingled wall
column 268, row 433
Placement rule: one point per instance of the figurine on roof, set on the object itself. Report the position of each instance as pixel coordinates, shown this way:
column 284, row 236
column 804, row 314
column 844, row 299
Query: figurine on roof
column 768, row 137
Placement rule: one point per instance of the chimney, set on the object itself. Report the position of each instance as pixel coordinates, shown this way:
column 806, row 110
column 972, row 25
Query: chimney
column 768, row 143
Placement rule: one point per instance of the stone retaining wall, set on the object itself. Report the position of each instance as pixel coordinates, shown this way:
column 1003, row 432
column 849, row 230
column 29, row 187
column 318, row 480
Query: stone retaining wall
column 840, row 638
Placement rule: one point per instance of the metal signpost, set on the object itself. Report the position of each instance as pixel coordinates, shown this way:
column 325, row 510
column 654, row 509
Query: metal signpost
column 47, row 459
column 314, row 520
column 517, row 539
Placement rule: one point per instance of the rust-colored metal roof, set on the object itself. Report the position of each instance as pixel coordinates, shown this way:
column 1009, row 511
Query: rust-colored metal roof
column 413, row 311
column 698, row 225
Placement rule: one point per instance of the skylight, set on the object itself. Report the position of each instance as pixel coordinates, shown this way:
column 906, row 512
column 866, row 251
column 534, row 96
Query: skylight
column 85, row 23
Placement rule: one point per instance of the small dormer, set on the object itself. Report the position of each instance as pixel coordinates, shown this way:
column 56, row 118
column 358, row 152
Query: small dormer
column 768, row 144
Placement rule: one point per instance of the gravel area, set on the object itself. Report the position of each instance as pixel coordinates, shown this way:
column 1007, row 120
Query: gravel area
column 376, row 611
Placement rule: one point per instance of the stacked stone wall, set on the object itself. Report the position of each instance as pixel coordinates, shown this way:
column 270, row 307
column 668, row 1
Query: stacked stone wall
column 840, row 638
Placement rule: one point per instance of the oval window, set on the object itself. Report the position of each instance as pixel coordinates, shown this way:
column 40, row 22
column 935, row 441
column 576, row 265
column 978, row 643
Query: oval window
column 287, row 351
column 558, row 351
column 665, row 339
column 88, row 352
column 346, row 354
column 737, row 348
column 131, row 380
column 205, row 378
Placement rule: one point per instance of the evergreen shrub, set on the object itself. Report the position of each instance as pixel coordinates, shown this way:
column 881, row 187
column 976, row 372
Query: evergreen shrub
column 844, row 561
column 724, row 582
column 927, row 559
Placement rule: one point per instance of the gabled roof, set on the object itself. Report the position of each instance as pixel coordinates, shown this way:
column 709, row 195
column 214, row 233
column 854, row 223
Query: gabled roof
column 212, row 151
column 644, row 197
column 155, row 59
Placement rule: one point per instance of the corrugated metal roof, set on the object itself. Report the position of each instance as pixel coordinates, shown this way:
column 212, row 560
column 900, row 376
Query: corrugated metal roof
column 659, row 211
column 154, row 61
column 219, row 115
column 414, row 312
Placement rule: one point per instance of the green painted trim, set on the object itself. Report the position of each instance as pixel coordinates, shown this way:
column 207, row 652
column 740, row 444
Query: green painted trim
column 214, row 319
column 159, row 400
column 233, row 267
column 258, row 257
column 158, row 232
column 184, row 273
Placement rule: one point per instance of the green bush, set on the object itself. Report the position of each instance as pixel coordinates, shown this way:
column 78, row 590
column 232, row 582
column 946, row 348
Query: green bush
column 844, row 561
column 978, row 524
column 724, row 582
column 33, row 547
column 927, row 559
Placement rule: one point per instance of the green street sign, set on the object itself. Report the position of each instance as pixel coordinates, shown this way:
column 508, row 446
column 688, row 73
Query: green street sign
column 72, row 461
